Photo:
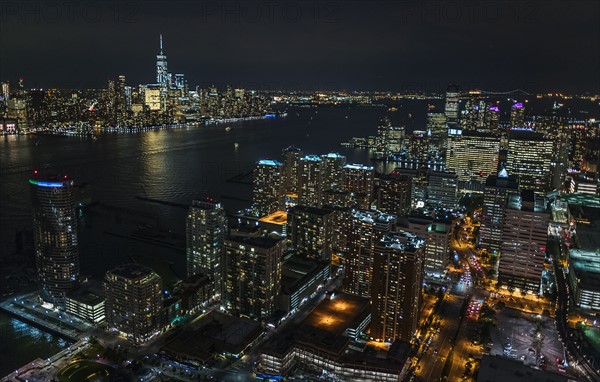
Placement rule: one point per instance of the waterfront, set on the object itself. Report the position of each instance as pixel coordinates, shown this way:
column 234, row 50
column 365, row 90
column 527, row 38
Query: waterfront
column 21, row 343
column 174, row 165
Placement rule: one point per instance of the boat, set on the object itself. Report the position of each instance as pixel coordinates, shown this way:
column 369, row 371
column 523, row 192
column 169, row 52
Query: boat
column 228, row 128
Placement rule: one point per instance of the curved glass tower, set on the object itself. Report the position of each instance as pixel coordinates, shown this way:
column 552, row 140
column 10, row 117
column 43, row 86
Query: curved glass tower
column 55, row 236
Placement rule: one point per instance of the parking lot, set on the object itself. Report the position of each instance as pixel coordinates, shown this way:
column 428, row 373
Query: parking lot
column 520, row 335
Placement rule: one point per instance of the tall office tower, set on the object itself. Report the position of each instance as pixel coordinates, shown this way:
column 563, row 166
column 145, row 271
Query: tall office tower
column 252, row 275
column 418, row 185
column 451, row 109
column 437, row 130
column 55, row 236
column 517, row 115
column 332, row 171
column 111, row 101
column 471, row 117
column 418, row 145
column 437, row 249
column 472, row 155
column 291, row 168
column 492, row 119
column 396, row 288
column 365, row 229
column 389, row 138
column 267, row 182
column 442, row 190
column 206, row 228
column 495, row 196
column 310, row 181
column 180, row 81
column 529, row 158
column 360, row 180
column 5, row 89
column 162, row 73
column 524, row 240
column 310, row 232
column 436, row 233
column 134, row 302
column 121, row 104
column 394, row 194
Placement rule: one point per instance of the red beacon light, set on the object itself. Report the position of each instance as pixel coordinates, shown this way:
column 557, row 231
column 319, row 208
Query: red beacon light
column 35, row 172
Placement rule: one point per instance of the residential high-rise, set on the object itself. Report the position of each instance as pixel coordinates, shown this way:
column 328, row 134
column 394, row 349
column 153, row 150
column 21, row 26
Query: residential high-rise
column 524, row 240
column 472, row 155
column 206, row 228
column 134, row 302
column 332, row 172
column 252, row 275
column 442, row 189
column 495, row 196
column 529, row 158
column 267, row 182
column 291, row 168
column 389, row 139
column 451, row 109
column 310, row 183
column 396, row 288
column 55, row 235
column 365, row 229
column 394, row 194
column 310, row 232
column 360, row 179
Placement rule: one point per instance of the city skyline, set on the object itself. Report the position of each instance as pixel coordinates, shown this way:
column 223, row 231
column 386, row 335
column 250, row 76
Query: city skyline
column 210, row 211
column 309, row 46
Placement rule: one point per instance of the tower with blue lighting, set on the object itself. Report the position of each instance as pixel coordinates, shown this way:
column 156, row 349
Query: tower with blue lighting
column 55, row 236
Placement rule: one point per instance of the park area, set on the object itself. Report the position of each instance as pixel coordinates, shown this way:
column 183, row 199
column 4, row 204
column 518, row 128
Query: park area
column 85, row 371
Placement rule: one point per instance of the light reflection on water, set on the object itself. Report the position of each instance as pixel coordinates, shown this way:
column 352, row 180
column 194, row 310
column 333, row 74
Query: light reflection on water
column 21, row 343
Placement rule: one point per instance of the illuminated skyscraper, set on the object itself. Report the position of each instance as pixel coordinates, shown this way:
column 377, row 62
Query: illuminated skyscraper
column 267, row 191
column 437, row 130
column 206, row 227
column 451, row 109
column 55, row 236
column 162, row 73
column 396, row 288
column 310, row 232
column 495, row 196
column 310, row 182
column 529, row 158
column 252, row 271
column 360, row 180
column 442, row 189
column 473, row 156
column 394, row 194
column 517, row 115
column 524, row 240
column 291, row 168
column 365, row 229
column 134, row 302
column 332, row 171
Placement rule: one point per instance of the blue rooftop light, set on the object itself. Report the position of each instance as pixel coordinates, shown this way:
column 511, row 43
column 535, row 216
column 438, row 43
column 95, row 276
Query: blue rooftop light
column 46, row 184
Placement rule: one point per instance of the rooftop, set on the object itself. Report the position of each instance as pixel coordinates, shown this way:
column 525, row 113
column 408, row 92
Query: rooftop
column 214, row 333
column 131, row 271
column 402, row 240
column 356, row 166
column 269, row 162
column 337, row 313
column 277, row 217
column 310, row 210
column 259, row 241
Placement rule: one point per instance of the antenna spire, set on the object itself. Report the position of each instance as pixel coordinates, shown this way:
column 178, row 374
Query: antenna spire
column 161, row 50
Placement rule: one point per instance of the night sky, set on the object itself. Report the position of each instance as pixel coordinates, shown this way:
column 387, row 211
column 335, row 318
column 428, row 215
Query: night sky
column 307, row 45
